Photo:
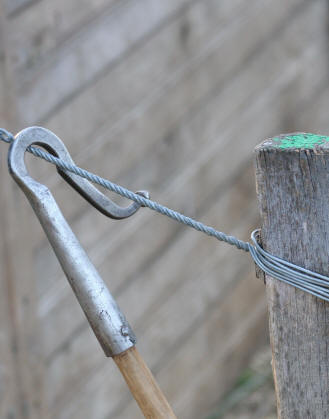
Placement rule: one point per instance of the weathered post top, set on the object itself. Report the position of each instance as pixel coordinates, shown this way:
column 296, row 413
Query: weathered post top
column 297, row 141
column 292, row 173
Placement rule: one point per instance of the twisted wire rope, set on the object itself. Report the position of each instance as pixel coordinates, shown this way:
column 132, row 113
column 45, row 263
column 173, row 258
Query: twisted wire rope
column 301, row 278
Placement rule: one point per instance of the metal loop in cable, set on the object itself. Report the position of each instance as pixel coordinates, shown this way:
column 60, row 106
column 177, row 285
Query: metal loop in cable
column 301, row 278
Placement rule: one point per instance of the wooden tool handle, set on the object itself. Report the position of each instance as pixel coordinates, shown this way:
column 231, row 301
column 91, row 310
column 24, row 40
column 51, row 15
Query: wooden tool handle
column 143, row 386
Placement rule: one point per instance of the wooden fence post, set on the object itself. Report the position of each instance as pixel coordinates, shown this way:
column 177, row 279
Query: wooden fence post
column 292, row 173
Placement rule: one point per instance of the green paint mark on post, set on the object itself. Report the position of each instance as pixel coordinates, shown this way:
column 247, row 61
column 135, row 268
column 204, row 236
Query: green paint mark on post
column 300, row 141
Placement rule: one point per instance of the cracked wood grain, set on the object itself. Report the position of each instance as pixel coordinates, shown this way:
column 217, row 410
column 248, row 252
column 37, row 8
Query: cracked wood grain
column 292, row 173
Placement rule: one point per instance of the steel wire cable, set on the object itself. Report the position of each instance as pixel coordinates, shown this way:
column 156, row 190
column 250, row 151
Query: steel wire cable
column 301, row 278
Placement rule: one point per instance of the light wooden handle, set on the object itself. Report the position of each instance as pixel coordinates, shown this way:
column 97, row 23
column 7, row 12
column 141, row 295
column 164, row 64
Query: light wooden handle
column 143, row 386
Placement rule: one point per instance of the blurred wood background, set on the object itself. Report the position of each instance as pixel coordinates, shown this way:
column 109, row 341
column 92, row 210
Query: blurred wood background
column 169, row 96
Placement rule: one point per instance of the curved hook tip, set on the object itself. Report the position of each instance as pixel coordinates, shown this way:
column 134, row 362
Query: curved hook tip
column 48, row 140
column 144, row 194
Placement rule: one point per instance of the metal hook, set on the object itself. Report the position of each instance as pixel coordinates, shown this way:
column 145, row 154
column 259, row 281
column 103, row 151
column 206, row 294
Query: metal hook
column 48, row 140
column 108, row 322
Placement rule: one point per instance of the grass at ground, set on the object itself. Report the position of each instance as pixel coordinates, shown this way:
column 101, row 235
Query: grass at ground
column 252, row 396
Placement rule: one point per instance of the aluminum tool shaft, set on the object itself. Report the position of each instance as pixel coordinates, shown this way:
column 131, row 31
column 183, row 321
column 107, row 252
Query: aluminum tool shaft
column 107, row 321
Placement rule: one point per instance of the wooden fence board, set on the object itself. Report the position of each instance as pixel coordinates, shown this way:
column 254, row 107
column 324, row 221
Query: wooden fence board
column 144, row 76
column 171, row 86
column 140, row 131
column 88, row 55
column 21, row 350
column 46, row 25
column 315, row 119
column 152, row 132
column 8, row 378
column 115, row 155
column 135, row 172
column 198, row 129
column 12, row 7
column 271, row 120
column 105, row 104
column 250, row 326
column 167, row 229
